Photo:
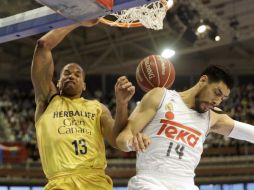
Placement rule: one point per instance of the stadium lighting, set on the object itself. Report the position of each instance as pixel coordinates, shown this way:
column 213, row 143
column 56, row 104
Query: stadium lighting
column 202, row 28
column 217, row 38
column 168, row 53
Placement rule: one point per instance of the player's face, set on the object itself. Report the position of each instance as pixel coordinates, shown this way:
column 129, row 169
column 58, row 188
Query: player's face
column 71, row 81
column 211, row 95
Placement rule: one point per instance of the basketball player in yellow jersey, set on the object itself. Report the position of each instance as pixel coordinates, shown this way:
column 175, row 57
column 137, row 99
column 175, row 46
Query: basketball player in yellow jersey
column 70, row 129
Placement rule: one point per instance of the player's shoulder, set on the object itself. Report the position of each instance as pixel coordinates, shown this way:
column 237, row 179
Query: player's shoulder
column 154, row 97
column 91, row 101
column 160, row 93
column 93, row 104
column 217, row 110
column 157, row 91
column 218, row 118
column 104, row 111
column 216, row 114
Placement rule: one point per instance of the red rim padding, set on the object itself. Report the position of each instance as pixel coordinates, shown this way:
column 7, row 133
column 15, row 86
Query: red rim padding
column 106, row 3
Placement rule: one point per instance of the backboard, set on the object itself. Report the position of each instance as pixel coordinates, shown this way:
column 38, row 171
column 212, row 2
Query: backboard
column 44, row 19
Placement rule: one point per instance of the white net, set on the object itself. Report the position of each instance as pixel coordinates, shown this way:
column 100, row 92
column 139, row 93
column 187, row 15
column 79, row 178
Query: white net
column 150, row 15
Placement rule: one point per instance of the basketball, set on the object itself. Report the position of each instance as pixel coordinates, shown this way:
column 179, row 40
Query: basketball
column 155, row 71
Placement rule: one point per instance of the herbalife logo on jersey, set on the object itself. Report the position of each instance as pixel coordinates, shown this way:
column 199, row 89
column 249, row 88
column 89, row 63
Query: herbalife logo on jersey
column 177, row 131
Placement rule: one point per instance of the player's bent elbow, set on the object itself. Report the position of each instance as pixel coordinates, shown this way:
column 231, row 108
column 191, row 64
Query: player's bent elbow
column 122, row 143
column 43, row 44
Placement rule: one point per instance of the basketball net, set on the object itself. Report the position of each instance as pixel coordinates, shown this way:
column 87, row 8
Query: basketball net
column 150, row 16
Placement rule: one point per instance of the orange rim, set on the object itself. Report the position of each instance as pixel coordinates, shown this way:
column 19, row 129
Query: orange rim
column 121, row 24
column 125, row 24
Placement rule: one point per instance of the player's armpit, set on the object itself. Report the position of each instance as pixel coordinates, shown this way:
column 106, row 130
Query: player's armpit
column 221, row 124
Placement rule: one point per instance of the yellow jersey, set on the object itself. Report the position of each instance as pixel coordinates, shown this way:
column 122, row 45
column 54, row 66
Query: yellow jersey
column 69, row 137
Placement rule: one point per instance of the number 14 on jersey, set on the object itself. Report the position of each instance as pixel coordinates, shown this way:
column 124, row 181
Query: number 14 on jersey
column 177, row 148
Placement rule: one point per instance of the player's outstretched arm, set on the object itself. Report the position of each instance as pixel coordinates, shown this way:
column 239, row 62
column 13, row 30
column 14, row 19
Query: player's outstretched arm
column 131, row 138
column 225, row 125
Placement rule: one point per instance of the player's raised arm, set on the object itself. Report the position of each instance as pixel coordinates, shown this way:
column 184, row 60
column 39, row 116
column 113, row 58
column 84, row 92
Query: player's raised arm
column 124, row 90
column 42, row 64
column 42, row 68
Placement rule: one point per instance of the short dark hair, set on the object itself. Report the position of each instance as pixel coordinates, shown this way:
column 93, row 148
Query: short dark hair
column 218, row 73
column 83, row 72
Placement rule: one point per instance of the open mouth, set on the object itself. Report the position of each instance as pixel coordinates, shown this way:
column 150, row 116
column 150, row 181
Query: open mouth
column 206, row 106
column 69, row 82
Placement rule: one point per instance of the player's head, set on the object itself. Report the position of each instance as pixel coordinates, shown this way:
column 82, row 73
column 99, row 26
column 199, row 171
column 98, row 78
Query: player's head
column 72, row 80
column 214, row 86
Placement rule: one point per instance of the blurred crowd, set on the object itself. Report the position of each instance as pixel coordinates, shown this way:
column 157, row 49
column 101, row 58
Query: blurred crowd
column 17, row 109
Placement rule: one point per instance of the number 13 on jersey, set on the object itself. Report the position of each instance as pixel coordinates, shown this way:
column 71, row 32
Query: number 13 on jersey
column 79, row 146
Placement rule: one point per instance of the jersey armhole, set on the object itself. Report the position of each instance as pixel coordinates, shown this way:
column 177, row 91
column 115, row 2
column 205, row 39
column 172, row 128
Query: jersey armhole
column 51, row 98
column 209, row 123
column 162, row 99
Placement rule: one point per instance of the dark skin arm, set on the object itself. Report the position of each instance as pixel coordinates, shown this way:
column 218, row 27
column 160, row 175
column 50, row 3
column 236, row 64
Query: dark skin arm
column 124, row 91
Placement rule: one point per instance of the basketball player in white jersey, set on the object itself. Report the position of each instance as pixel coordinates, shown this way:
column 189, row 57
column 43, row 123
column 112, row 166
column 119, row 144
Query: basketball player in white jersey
column 177, row 124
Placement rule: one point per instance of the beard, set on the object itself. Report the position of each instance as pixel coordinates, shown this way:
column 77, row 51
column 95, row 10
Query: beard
column 68, row 92
column 68, row 89
column 201, row 106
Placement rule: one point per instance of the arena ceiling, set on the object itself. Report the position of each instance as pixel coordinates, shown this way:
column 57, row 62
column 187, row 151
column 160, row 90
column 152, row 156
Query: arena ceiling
column 107, row 50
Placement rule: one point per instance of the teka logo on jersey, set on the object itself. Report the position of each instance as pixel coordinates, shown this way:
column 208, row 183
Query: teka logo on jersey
column 179, row 132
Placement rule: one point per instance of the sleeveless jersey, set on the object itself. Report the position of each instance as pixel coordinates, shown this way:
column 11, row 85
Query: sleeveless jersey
column 69, row 136
column 177, row 135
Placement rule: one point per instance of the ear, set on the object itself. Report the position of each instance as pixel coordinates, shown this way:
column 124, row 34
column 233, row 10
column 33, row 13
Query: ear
column 84, row 86
column 203, row 81
column 58, row 84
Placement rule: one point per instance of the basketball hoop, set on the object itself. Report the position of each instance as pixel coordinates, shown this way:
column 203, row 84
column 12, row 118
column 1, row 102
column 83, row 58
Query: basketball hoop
column 149, row 16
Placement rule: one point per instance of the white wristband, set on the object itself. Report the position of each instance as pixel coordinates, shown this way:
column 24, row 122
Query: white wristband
column 243, row 131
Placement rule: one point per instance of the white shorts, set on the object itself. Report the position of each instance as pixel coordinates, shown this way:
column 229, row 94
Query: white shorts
column 150, row 182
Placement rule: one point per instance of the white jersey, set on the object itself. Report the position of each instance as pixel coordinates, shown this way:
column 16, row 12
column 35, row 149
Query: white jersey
column 177, row 135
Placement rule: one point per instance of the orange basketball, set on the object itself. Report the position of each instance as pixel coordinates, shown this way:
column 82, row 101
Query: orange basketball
column 155, row 71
